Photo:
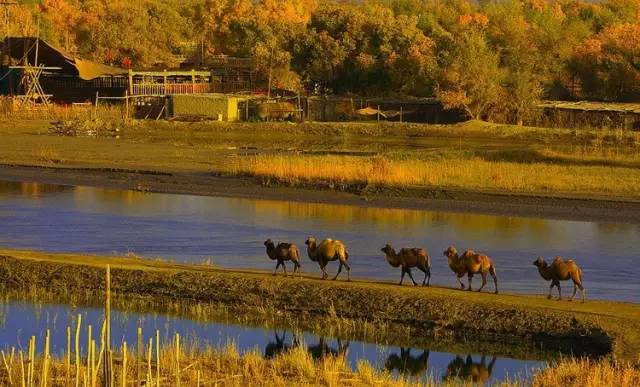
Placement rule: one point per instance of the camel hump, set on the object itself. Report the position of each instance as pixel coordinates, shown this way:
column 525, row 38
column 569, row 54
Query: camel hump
column 558, row 259
column 285, row 245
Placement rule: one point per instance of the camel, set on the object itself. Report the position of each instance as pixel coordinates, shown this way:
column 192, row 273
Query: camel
column 407, row 364
column 283, row 252
column 408, row 258
column 328, row 250
column 561, row 270
column 471, row 263
column 470, row 370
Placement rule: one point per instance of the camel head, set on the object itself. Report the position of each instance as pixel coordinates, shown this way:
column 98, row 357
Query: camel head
column 450, row 252
column 387, row 249
column 311, row 241
column 540, row 262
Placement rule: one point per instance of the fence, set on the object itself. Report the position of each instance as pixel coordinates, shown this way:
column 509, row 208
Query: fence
column 170, row 88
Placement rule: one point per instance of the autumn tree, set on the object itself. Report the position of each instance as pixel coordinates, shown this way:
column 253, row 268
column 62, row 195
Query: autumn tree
column 471, row 80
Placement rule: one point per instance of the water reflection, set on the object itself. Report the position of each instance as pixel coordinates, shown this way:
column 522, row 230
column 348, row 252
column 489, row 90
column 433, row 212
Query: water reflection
column 229, row 232
column 407, row 364
column 469, row 369
column 21, row 320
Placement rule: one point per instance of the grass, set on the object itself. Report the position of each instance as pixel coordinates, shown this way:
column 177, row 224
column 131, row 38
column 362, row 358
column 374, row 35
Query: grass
column 472, row 174
column 474, row 156
column 588, row 373
column 157, row 363
column 444, row 314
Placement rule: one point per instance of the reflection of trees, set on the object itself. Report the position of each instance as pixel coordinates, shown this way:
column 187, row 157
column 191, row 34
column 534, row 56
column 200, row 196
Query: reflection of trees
column 478, row 372
column 31, row 189
column 385, row 218
column 407, row 364
column 110, row 196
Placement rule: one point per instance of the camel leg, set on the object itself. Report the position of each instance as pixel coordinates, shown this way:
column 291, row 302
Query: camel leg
column 492, row 271
column 461, row 284
column 284, row 267
column 348, row 269
column 277, row 266
column 553, row 283
column 401, row 276
column 484, row 280
column 427, row 273
column 339, row 270
column 559, row 290
column 324, row 271
column 411, row 276
column 575, row 290
column 470, row 277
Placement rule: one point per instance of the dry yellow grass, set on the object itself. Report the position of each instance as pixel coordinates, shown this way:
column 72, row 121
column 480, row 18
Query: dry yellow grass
column 588, row 373
column 473, row 173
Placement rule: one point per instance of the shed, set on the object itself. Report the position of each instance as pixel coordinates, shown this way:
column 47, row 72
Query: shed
column 213, row 106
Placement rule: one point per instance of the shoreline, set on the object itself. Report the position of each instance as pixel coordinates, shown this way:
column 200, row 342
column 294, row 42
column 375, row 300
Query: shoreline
column 208, row 184
column 595, row 328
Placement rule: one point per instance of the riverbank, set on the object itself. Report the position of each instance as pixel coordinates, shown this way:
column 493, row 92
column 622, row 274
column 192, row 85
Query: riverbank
column 556, row 173
column 595, row 328
column 438, row 199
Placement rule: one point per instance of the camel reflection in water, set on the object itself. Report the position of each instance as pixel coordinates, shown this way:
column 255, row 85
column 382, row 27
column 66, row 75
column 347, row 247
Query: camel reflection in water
column 406, row 364
column 477, row 372
column 318, row 351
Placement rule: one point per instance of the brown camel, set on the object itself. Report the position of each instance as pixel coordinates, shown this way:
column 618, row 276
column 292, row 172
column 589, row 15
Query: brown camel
column 561, row 270
column 328, row 250
column 408, row 258
column 471, row 263
column 283, row 252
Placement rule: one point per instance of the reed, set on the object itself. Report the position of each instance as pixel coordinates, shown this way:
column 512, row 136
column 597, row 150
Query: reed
column 473, row 173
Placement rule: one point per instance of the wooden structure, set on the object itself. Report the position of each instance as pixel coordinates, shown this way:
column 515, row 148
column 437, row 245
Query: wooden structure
column 589, row 114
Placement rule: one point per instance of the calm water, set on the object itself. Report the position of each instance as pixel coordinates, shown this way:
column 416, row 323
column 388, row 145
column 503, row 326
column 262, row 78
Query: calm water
column 229, row 232
column 19, row 321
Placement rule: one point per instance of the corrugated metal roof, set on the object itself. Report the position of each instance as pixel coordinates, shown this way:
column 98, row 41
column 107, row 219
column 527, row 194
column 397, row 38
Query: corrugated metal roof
column 618, row 107
column 21, row 48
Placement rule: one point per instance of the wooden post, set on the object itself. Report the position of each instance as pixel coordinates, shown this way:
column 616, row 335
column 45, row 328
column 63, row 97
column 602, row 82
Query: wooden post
column 246, row 109
column 124, row 364
column 164, row 79
column 95, row 107
column 378, row 113
column 126, row 111
column 107, row 319
column 130, row 82
column 193, row 81
column 400, row 114
column 139, row 357
column 157, row 358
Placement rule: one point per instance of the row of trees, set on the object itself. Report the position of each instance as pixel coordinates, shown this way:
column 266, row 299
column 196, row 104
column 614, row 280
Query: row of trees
column 490, row 58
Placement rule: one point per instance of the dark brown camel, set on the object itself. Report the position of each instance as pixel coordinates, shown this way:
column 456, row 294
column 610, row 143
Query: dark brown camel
column 281, row 253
